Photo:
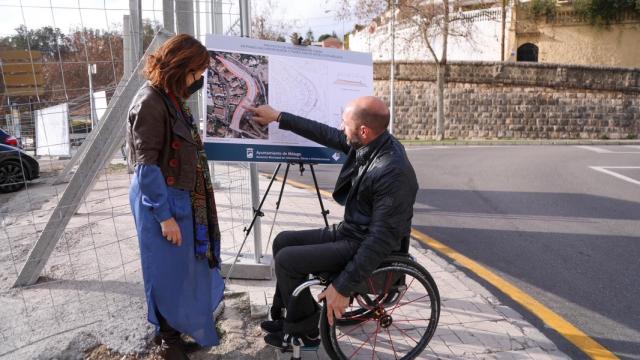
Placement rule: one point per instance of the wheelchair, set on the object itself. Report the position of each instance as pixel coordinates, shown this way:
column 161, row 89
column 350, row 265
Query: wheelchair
column 393, row 314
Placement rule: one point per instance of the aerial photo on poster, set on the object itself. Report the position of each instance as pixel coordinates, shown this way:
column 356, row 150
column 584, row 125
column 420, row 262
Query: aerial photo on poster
column 234, row 78
column 308, row 81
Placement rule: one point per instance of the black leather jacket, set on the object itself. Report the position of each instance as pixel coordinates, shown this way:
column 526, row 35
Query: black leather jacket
column 377, row 186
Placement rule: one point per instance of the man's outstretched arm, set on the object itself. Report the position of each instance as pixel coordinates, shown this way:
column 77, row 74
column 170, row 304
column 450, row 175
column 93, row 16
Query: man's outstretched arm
column 312, row 130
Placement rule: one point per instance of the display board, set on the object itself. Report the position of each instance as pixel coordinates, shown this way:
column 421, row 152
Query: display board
column 100, row 104
column 308, row 81
column 52, row 131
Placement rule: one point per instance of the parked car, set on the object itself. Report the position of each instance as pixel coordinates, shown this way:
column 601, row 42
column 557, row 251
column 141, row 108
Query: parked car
column 16, row 168
column 7, row 139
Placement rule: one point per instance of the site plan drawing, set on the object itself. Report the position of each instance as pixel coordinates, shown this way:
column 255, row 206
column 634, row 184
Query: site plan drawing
column 312, row 82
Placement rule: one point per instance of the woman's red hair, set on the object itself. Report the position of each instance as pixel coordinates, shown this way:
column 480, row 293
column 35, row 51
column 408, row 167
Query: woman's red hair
column 170, row 65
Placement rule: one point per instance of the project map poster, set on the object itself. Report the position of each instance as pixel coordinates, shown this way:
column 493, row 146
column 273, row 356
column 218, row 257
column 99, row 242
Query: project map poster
column 307, row 81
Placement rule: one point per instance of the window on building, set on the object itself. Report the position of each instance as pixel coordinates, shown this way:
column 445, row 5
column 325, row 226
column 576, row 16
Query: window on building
column 527, row 52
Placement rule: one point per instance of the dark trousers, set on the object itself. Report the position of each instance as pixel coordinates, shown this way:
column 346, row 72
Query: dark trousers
column 300, row 253
column 167, row 333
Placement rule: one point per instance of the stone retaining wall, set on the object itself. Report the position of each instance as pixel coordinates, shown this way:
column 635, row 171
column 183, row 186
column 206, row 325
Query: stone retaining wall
column 515, row 100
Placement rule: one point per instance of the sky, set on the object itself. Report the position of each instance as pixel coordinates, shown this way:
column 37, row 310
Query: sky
column 319, row 15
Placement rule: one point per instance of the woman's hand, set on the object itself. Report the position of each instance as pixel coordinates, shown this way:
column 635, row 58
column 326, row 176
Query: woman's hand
column 171, row 231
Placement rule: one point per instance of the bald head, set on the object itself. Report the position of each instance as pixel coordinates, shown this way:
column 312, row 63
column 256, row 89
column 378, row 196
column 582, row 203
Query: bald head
column 370, row 112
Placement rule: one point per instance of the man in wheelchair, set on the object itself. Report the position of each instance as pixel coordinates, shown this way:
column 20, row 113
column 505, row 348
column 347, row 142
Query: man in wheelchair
column 377, row 187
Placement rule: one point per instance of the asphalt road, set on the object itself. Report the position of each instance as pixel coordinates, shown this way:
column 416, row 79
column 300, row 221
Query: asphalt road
column 559, row 222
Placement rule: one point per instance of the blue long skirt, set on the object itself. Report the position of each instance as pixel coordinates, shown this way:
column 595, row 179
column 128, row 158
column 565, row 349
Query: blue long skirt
column 184, row 290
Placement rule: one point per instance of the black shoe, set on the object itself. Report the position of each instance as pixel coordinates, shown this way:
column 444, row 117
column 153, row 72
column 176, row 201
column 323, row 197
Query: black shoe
column 189, row 346
column 283, row 341
column 172, row 351
column 272, row 326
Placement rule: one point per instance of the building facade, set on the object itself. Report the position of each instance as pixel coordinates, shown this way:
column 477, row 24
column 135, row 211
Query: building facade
column 564, row 38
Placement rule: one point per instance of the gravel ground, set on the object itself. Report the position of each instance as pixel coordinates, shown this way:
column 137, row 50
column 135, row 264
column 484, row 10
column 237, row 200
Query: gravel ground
column 235, row 326
column 89, row 301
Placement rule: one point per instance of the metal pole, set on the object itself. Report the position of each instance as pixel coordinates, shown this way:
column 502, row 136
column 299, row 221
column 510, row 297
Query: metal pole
column 245, row 26
column 135, row 10
column 184, row 25
column 197, row 32
column 255, row 201
column 184, row 17
column 92, row 110
column 216, row 26
column 126, row 46
column 245, row 19
column 216, row 16
column 168, row 14
column 392, row 76
column 208, row 10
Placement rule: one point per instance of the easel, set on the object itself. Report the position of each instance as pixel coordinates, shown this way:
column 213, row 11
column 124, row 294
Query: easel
column 258, row 212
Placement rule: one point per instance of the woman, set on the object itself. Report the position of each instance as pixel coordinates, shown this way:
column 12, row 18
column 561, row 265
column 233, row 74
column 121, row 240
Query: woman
column 172, row 200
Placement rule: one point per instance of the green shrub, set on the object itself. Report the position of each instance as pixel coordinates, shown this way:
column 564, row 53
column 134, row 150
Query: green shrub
column 604, row 12
column 542, row 8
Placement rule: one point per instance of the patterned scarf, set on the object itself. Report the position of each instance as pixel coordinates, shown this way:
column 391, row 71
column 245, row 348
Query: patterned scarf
column 203, row 202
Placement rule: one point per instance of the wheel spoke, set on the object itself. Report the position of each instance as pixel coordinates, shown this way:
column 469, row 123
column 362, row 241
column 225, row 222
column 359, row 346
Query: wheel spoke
column 404, row 333
column 407, row 303
column 401, row 296
column 371, row 286
column 354, row 328
column 409, row 320
column 364, row 342
column 395, row 354
column 375, row 341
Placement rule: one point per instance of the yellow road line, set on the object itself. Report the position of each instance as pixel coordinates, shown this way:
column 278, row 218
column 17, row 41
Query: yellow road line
column 305, row 186
column 576, row 336
column 581, row 340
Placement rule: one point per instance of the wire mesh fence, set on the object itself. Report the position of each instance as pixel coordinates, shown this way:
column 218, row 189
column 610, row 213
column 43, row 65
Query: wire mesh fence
column 64, row 65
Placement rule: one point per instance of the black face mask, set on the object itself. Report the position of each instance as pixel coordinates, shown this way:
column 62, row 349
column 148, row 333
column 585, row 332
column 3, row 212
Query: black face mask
column 197, row 85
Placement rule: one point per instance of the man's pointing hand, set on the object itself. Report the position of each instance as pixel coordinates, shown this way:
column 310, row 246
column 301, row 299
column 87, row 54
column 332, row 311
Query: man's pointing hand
column 263, row 114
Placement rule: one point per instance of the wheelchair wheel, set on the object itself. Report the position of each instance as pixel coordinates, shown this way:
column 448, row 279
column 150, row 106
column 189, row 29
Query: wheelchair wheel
column 393, row 316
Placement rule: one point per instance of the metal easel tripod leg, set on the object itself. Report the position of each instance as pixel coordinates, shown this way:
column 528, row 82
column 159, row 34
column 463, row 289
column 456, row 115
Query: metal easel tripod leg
column 256, row 212
column 322, row 209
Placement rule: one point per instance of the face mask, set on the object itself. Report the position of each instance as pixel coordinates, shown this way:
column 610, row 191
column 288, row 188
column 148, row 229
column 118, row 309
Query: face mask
column 197, row 85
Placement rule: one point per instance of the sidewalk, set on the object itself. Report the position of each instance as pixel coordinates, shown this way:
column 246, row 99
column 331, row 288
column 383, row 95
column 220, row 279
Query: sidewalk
column 473, row 323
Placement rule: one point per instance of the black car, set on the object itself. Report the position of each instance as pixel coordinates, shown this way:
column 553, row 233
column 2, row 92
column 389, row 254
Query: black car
column 16, row 168
column 7, row 139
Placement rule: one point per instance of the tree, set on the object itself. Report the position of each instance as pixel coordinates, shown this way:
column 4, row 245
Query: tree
column 433, row 23
column 309, row 37
column 264, row 26
column 326, row 36
column 50, row 41
column 295, row 38
column 149, row 30
column 66, row 56
column 604, row 12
